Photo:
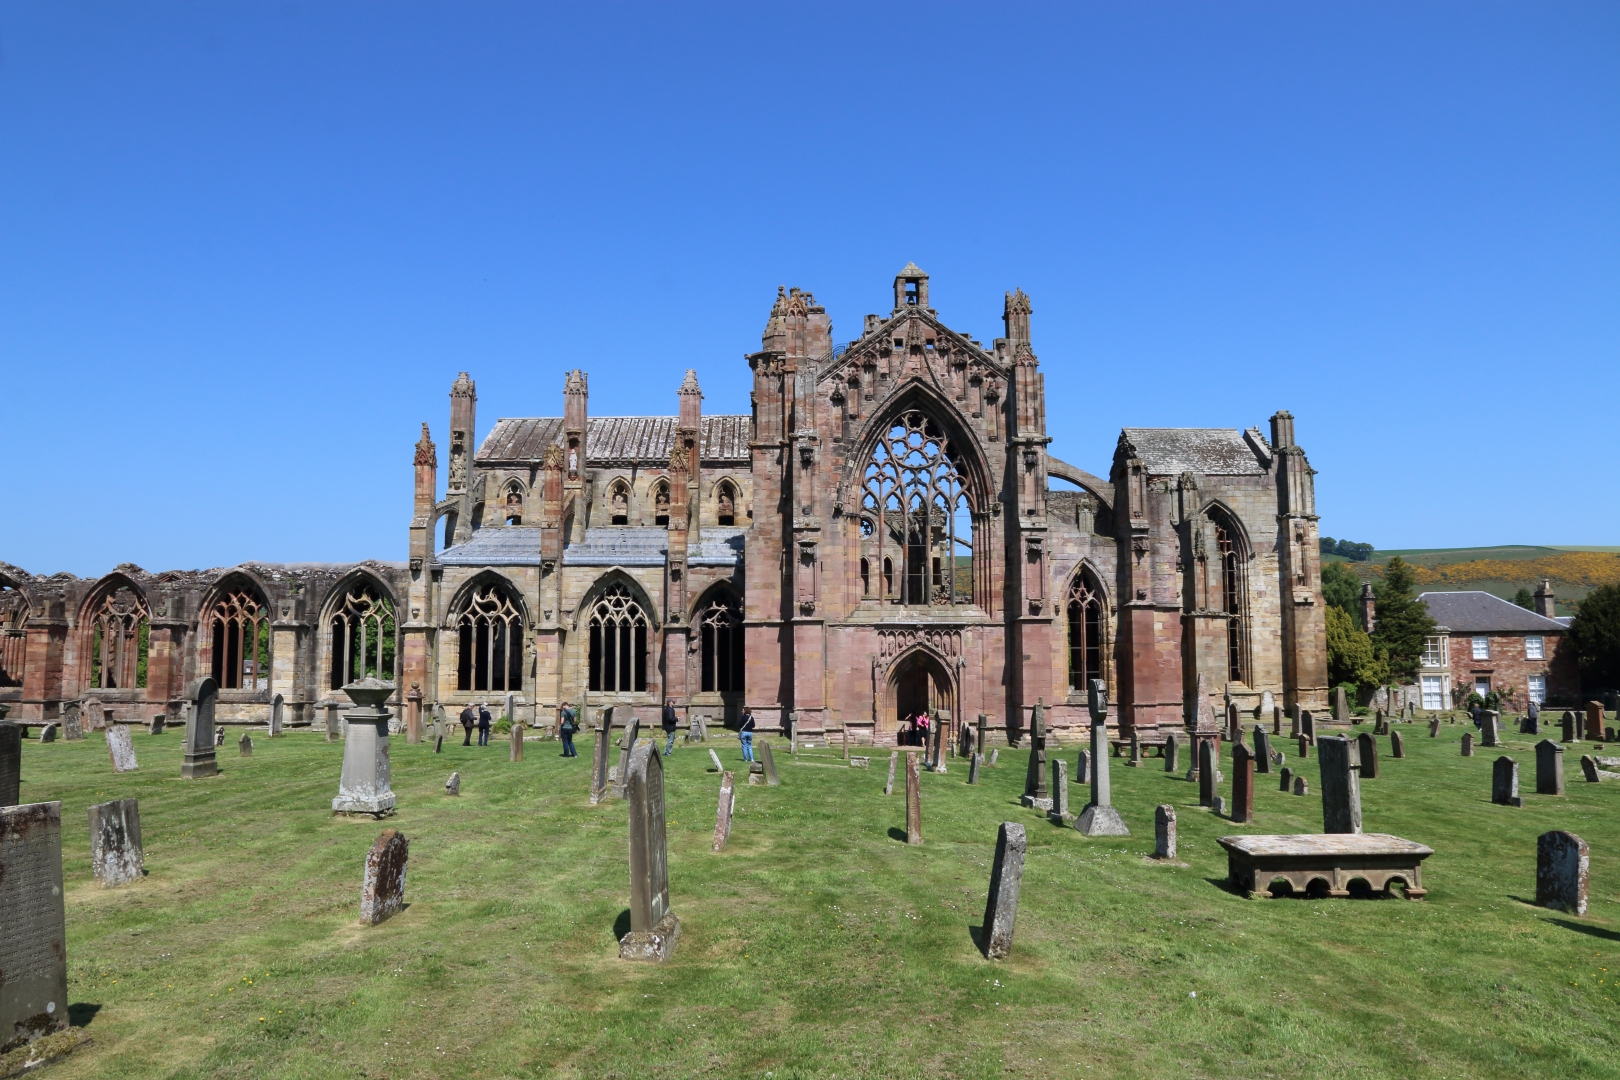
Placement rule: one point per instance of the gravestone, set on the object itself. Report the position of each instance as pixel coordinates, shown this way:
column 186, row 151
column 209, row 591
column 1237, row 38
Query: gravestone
column 115, row 843
column 413, row 714
column 200, row 759
column 1341, row 707
column 1242, row 783
column 1563, row 865
column 1549, row 768
column 334, row 723
column 1278, row 758
column 722, row 813
column 1206, row 773
column 47, row 733
column 509, row 708
column 715, row 758
column 93, row 716
column 983, row 720
column 1468, row 744
column 1396, row 748
column 276, row 711
column 653, row 925
column 452, row 786
column 438, row 744
column 363, row 786
column 1276, row 719
column 219, row 736
column 627, row 743
column 11, row 741
column 1082, row 767
column 973, row 767
column 1434, row 727
column 599, row 757
column 1341, row 788
column 1487, row 728
column 1100, row 818
column 1218, row 806
column 1594, row 721
column 156, row 726
column 1304, row 746
column 888, row 785
column 33, row 948
column 1059, row 814
column 1589, row 769
column 382, row 890
column 441, row 726
column 121, row 749
column 1293, row 721
column 1307, row 724
column 995, row 754
column 245, row 745
column 1567, row 725
column 1300, row 786
column 1379, row 726
column 1367, row 754
column 936, row 737
column 1035, row 793
column 1268, row 705
column 913, row 799
column 1505, row 782
column 1172, row 753
column 72, row 726
column 515, row 743
column 1287, row 778
column 770, row 765
column 1262, row 750
column 1135, row 760
column 1164, row 832
column 1001, row 906
column 1234, row 723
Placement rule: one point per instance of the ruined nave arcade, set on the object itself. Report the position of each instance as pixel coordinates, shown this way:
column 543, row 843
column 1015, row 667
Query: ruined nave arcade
column 885, row 531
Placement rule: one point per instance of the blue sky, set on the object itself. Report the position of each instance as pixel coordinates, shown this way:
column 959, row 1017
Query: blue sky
column 245, row 248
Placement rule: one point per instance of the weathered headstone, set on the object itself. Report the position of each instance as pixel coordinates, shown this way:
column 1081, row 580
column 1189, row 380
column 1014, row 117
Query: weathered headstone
column 1242, row 783
column 382, row 890
column 599, row 757
column 1035, row 793
column 334, row 722
column 1396, row 748
column 770, row 765
column 1267, row 705
column 200, row 759
column 1262, row 750
column 1172, row 753
column 1594, row 721
column 715, row 758
column 11, row 741
column 93, row 718
column 913, row 799
column 1380, row 727
column 653, row 925
column 277, row 706
column 1059, row 814
column 1218, row 806
column 363, row 787
column 33, row 948
column 1304, row 746
column 120, row 748
column 244, row 745
column 413, row 714
column 1549, row 768
column 995, row 755
column 1307, row 724
column 1164, row 832
column 452, row 786
column 1589, row 769
column 515, row 743
column 1341, row 706
column 1001, row 906
column 1234, row 723
column 1293, row 721
column 72, row 725
column 722, row 813
column 1505, row 782
column 155, row 727
column 1341, row 787
column 888, row 785
column 1135, row 760
column 1487, row 728
column 1100, row 818
column 1286, row 776
column 1563, row 865
column 1567, row 725
column 973, row 767
column 627, row 743
column 1468, row 744
column 1082, row 766
column 1278, row 758
column 1276, row 719
column 1206, row 773
column 1300, row 786
column 1367, row 754
column 983, row 721
column 115, row 843
column 1434, row 727
column 47, row 733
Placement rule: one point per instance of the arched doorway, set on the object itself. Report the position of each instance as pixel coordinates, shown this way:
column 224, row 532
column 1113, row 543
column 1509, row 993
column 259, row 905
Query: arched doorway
column 919, row 681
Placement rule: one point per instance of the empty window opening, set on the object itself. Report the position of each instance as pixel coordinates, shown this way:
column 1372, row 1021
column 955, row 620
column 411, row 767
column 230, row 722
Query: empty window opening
column 915, row 492
column 619, row 504
column 490, row 632
column 1085, row 632
column 721, row 630
column 241, row 642
column 362, row 636
column 119, row 627
column 727, row 504
column 661, row 504
column 1231, row 601
column 866, row 578
column 618, row 643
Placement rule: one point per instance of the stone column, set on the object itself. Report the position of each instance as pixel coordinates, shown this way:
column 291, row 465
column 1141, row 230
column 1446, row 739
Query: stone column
column 364, row 785
column 413, row 714
column 1341, row 788
column 654, row 927
column 1100, row 818
column 1035, row 793
column 33, row 981
column 1001, row 906
column 1563, row 863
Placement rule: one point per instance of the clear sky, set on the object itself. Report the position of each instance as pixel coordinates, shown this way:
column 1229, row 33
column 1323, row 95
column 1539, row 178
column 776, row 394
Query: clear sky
column 245, row 248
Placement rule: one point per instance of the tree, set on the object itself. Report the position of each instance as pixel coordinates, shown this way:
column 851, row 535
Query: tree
column 1342, row 589
column 1524, row 599
column 1595, row 634
column 1403, row 621
column 1352, row 657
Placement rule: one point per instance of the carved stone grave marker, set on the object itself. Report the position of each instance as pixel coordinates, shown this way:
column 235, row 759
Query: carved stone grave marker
column 115, row 843
column 1164, row 832
column 1505, row 782
column 1563, row 865
column 1549, row 768
column 653, row 925
column 382, row 890
column 33, row 943
column 1006, row 876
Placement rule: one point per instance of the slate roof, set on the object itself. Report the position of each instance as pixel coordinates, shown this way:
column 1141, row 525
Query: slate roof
column 639, row 545
column 504, row 545
column 617, row 440
column 1482, row 613
column 1206, row 451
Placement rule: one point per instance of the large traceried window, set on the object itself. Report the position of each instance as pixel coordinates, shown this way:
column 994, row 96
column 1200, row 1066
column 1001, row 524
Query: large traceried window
column 1085, row 610
column 490, row 629
column 13, row 634
column 240, row 625
column 1231, row 600
column 915, row 496
column 363, row 635
column 119, row 627
column 618, row 643
column 721, row 639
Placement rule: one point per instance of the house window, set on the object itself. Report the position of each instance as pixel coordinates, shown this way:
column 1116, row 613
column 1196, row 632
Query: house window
column 1482, row 685
column 1534, row 648
column 1434, row 691
column 1482, row 647
column 1536, row 687
column 1434, row 655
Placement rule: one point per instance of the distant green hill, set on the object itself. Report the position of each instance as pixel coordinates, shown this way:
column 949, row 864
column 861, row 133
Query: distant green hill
column 1502, row 571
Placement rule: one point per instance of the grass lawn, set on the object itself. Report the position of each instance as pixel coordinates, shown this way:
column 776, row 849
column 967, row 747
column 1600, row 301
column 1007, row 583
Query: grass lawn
column 818, row 944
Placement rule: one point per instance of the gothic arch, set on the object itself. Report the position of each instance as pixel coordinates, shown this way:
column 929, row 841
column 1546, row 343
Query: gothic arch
column 233, row 643
column 717, row 624
column 895, row 696
column 920, row 397
column 114, row 624
column 14, row 611
column 463, row 594
column 615, row 576
column 618, row 502
column 490, row 622
column 1224, row 560
column 1218, row 510
column 717, row 493
column 513, row 495
column 1088, row 626
column 619, row 632
column 359, row 633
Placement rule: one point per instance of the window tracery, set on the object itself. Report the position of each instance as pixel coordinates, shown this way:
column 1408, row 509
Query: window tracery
column 1085, row 611
column 362, row 635
column 240, row 626
column 916, row 494
column 618, row 642
column 13, row 635
column 119, row 628
column 721, row 640
column 489, row 629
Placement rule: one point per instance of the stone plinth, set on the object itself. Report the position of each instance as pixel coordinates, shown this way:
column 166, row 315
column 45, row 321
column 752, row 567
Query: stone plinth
column 364, row 785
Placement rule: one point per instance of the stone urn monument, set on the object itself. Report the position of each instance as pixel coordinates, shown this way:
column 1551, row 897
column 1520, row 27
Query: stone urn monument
column 363, row 788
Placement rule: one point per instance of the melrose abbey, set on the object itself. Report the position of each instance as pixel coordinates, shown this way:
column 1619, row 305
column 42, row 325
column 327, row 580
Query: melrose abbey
column 886, row 532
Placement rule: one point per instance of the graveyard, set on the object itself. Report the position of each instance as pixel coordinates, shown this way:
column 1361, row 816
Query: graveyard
column 818, row 942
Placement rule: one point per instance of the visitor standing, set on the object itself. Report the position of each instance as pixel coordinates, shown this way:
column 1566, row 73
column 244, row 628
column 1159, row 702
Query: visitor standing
column 670, row 720
column 566, row 728
column 483, row 723
column 468, row 718
column 745, row 732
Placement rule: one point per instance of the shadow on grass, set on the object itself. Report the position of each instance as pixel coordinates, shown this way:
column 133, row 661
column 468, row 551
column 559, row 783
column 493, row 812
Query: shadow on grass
column 897, row 834
column 1582, row 928
column 80, row 1014
column 621, row 925
column 977, row 933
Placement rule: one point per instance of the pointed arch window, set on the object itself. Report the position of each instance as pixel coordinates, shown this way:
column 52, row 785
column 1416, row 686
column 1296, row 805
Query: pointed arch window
column 619, row 503
column 618, row 644
column 661, row 504
column 727, row 504
column 13, row 634
column 1232, row 600
column 514, row 503
column 239, row 623
column 489, row 629
column 720, row 627
column 119, row 628
column 915, row 490
column 1085, row 611
column 363, row 634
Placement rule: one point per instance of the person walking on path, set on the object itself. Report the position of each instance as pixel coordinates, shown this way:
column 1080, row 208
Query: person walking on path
column 566, row 728
column 745, row 732
column 468, row 718
column 670, row 720
column 483, row 724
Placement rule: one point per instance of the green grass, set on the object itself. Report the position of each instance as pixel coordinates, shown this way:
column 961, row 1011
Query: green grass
column 817, row 944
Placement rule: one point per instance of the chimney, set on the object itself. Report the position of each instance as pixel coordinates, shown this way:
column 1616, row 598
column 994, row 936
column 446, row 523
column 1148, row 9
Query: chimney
column 1369, row 607
column 1545, row 601
column 1282, row 429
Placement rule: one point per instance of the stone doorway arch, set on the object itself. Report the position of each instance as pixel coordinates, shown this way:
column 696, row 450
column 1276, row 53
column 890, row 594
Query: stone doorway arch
column 917, row 679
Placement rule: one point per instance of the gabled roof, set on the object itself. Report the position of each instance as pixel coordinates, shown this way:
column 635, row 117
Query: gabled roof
column 503, row 545
column 616, row 440
column 868, row 345
column 1482, row 613
column 1206, row 451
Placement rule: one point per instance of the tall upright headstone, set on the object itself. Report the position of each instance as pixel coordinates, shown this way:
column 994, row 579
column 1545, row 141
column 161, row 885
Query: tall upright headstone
column 1262, row 750
column 1505, row 782
column 72, row 723
column 1234, row 723
column 1035, row 793
column 200, row 760
column 1135, row 760
column 973, row 766
column 653, row 925
column 1202, row 726
column 334, row 722
column 1563, row 865
column 1567, row 725
column 599, row 757
column 770, row 765
column 1434, row 727
column 515, row 743
column 1164, row 832
column 1001, row 906
column 1100, row 818
column 244, row 745
column 722, row 813
column 1594, row 721
column 888, row 786
column 120, row 748
column 363, row 787
column 627, row 743
column 33, row 942
column 1307, row 724
column 1549, row 768
column 1397, row 748
column 1172, row 753
column 1206, row 773
column 1285, row 778
column 913, row 799
column 1276, row 719
column 983, row 721
column 1341, row 786
column 277, row 714
column 1242, row 783
column 1059, row 813
column 1268, row 704
column 1082, row 766
column 1367, row 754
column 1468, row 744
column 1293, row 721
column 1487, row 728
column 11, row 741
column 115, row 843
column 382, row 889
column 1341, row 706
